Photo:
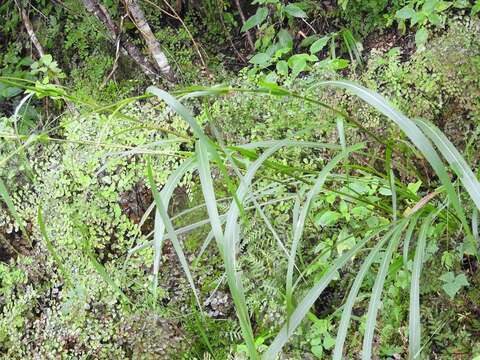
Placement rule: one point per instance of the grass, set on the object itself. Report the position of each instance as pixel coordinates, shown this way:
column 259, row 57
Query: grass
column 239, row 166
column 422, row 137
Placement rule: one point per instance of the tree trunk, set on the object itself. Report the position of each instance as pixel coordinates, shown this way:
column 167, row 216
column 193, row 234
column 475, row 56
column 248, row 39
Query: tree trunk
column 94, row 7
column 154, row 47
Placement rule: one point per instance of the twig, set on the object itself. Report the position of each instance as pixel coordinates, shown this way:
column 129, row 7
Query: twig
column 117, row 55
column 188, row 32
column 29, row 27
column 242, row 16
column 231, row 41
column 38, row 46
column 309, row 25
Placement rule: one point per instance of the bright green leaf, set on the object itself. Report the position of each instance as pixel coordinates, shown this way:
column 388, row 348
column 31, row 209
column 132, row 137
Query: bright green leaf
column 327, row 218
column 453, row 284
column 295, row 11
column 319, row 44
column 260, row 59
column 405, row 13
column 282, row 67
column 421, row 37
column 256, row 19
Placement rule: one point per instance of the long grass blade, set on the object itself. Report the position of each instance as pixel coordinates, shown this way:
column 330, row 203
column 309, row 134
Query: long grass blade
column 352, row 296
column 418, row 138
column 171, row 232
column 391, row 179
column 159, row 231
column 475, row 232
column 408, row 238
column 341, row 132
column 188, row 228
column 311, row 296
column 299, row 225
column 454, row 158
column 198, row 131
column 209, row 194
column 414, row 329
column 231, row 235
column 374, row 304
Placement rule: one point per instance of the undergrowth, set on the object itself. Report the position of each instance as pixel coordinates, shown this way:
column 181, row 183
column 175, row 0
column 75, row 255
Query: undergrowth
column 154, row 233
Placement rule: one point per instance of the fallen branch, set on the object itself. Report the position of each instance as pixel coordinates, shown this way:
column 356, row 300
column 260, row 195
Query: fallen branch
column 138, row 17
column 101, row 13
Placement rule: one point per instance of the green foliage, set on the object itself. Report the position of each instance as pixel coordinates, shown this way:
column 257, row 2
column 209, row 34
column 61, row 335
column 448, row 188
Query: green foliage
column 453, row 284
column 191, row 230
column 426, row 13
column 48, row 68
column 275, row 45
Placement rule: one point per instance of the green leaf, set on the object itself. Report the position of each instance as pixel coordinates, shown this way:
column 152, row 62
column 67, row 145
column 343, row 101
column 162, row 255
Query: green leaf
column 405, row 13
column 261, row 59
column 343, row 4
column 435, row 19
column 298, row 58
column 256, row 19
column 298, row 67
column 421, row 37
column 454, row 158
column 419, row 18
column 46, row 59
column 345, row 241
column 443, row 5
column 414, row 187
column 309, row 40
column 352, row 296
column 475, row 8
column 282, row 67
column 271, row 88
column 385, row 191
column 319, row 44
column 311, row 296
column 334, row 64
column 328, row 342
column 159, row 226
column 453, row 284
column 295, row 11
column 418, row 137
column 374, row 304
column 298, row 227
column 285, row 40
column 327, row 218
column 167, row 223
column 317, row 350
